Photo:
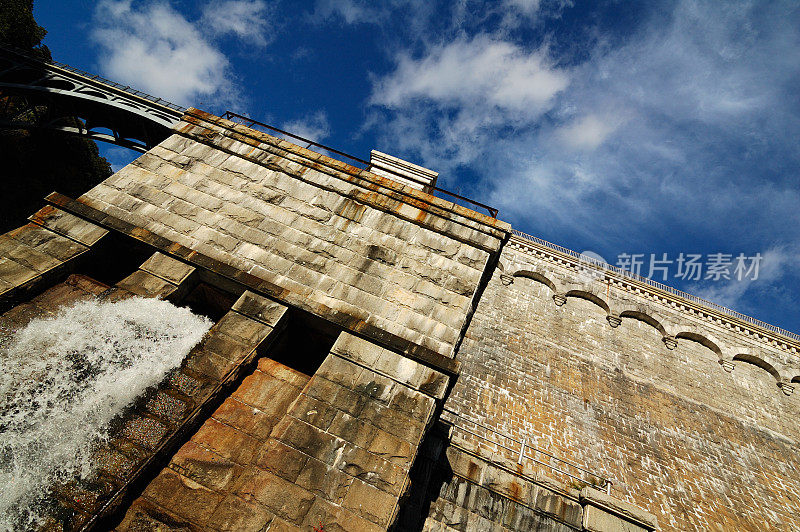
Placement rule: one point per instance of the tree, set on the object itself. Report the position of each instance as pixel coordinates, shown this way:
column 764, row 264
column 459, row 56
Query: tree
column 35, row 162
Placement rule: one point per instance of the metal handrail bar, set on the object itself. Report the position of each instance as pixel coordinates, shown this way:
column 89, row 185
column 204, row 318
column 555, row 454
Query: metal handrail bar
column 605, row 481
column 660, row 286
column 249, row 122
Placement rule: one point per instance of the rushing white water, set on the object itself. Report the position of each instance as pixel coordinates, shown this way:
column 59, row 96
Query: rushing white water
column 63, row 379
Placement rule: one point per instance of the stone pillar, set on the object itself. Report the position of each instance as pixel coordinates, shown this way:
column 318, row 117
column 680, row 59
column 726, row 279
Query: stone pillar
column 37, row 252
column 159, row 276
column 339, row 459
column 162, row 420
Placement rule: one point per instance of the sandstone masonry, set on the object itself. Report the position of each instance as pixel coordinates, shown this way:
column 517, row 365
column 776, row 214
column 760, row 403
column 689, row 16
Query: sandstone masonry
column 384, row 359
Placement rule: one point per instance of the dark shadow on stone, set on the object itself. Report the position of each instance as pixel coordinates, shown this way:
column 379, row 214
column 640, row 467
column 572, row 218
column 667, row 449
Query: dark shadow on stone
column 430, row 472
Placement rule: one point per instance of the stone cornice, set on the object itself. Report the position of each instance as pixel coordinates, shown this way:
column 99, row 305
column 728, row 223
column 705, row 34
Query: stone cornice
column 675, row 302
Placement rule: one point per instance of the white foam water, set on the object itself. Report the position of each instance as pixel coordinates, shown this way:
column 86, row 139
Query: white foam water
column 64, row 379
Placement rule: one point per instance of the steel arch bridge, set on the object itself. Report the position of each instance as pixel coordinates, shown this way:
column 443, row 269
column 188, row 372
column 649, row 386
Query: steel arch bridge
column 39, row 94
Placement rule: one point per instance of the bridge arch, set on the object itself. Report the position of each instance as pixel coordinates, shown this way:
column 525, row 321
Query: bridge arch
column 78, row 103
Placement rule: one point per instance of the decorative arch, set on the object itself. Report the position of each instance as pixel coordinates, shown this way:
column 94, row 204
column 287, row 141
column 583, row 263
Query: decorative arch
column 588, row 296
column 536, row 276
column 644, row 317
column 700, row 339
column 761, row 363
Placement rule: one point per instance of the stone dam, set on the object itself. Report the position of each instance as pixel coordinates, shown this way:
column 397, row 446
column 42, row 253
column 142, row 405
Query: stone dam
column 373, row 357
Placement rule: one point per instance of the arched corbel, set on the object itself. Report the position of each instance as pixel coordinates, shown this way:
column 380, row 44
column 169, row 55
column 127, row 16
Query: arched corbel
column 670, row 342
column 785, row 387
column 559, row 300
column 614, row 320
column 727, row 365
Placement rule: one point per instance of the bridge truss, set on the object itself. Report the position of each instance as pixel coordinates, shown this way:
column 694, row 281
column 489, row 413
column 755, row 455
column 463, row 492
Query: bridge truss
column 37, row 94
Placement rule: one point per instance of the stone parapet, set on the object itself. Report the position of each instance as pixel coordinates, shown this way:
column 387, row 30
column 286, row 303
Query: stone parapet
column 332, row 239
column 42, row 251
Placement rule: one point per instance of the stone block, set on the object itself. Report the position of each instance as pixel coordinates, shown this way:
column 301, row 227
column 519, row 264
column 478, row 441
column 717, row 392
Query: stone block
column 227, row 441
column 46, row 241
column 169, row 269
column 310, row 440
column 266, row 393
column 370, row 503
column 243, row 329
column 332, row 518
column 201, row 465
column 248, row 419
column 144, row 516
column 372, row 469
column 314, row 412
column 281, row 460
column 27, row 256
column 144, row 284
column 323, row 480
column 603, row 512
column 209, row 363
column 339, row 371
column 14, row 274
column 69, row 225
column 183, row 497
column 279, row 371
column 234, row 514
column 280, row 496
column 231, row 349
column 260, row 308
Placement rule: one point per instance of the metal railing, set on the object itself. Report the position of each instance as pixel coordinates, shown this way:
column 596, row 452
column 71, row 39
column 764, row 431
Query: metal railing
column 523, row 450
column 249, row 122
column 660, row 286
column 94, row 78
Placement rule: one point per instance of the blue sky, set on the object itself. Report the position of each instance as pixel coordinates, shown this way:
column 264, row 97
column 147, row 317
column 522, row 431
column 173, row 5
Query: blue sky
column 616, row 127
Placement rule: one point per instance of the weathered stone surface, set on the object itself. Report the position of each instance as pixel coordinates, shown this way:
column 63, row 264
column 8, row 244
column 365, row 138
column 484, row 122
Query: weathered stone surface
column 142, row 283
column 167, row 268
column 330, row 236
column 671, row 427
column 259, row 308
column 69, row 225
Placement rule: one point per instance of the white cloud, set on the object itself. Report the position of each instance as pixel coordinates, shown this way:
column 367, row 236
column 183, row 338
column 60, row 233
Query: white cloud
column 248, row 20
column 688, row 123
column 587, row 132
column 154, row 48
column 350, row 11
column 447, row 103
column 313, row 126
column 775, row 265
column 482, row 70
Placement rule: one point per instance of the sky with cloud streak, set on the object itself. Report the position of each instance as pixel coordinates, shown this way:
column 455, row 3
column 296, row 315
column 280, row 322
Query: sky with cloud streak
column 616, row 127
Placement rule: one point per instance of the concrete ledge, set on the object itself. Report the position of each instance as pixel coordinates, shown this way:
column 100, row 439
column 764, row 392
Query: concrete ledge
column 207, row 128
column 409, row 349
column 396, row 367
column 604, row 513
column 259, row 308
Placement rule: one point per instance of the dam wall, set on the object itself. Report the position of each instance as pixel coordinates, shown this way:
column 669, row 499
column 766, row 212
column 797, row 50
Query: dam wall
column 384, row 359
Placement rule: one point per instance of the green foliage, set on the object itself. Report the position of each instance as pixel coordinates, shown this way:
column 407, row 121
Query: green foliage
column 33, row 162
column 18, row 27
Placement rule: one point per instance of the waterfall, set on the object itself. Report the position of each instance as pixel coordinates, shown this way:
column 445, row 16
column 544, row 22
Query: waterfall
column 64, row 378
